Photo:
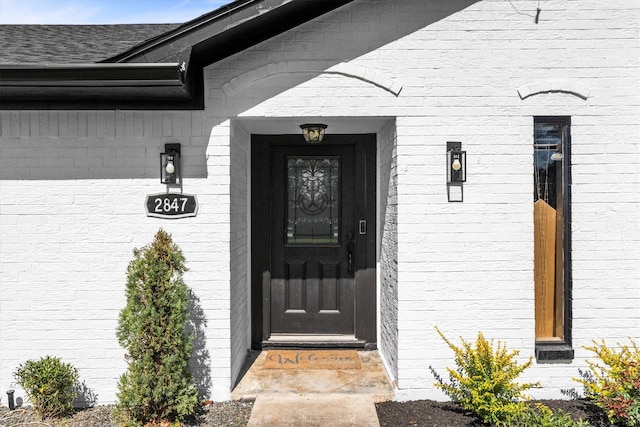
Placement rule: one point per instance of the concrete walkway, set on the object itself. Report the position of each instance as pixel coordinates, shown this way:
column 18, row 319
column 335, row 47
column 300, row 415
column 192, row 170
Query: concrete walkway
column 315, row 397
column 313, row 410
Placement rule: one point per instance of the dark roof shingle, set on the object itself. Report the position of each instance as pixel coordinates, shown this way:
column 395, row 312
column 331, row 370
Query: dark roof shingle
column 72, row 44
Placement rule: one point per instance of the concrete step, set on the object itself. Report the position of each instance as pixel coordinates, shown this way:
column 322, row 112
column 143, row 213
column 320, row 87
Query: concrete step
column 313, row 410
column 370, row 380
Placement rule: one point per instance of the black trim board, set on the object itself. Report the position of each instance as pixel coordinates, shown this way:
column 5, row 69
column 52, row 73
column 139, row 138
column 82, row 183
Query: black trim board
column 194, row 45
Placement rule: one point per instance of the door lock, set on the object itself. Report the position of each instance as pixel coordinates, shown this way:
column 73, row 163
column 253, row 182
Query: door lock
column 362, row 226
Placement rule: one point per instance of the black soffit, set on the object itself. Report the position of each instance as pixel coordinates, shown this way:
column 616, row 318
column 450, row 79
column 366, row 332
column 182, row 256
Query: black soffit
column 163, row 73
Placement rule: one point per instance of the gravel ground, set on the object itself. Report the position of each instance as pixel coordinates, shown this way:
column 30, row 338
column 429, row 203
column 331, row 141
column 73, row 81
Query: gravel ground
column 420, row 413
column 217, row 414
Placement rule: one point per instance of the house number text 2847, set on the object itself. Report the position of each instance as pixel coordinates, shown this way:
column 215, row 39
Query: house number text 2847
column 172, row 206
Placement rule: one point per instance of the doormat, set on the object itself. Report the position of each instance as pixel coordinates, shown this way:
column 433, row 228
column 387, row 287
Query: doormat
column 312, row 359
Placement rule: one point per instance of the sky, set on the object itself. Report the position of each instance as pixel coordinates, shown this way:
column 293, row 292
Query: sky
column 104, row 11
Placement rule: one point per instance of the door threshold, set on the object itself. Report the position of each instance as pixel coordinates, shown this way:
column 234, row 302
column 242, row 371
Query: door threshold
column 313, row 341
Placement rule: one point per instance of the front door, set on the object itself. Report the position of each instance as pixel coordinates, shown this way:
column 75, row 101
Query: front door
column 319, row 235
column 312, row 240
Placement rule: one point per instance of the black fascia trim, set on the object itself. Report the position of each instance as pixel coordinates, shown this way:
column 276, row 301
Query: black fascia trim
column 260, row 28
column 236, row 18
column 99, row 75
column 199, row 43
column 241, row 37
column 185, row 35
column 94, row 86
column 225, row 32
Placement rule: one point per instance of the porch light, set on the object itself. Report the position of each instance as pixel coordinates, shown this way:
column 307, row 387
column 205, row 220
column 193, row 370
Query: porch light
column 456, row 163
column 456, row 171
column 313, row 132
column 170, row 164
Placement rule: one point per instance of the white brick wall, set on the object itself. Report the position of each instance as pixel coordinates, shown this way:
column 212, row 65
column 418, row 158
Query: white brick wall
column 72, row 191
column 388, row 249
column 240, row 293
column 469, row 267
column 72, row 185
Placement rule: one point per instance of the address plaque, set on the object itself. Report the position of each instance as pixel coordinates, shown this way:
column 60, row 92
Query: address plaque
column 171, row 205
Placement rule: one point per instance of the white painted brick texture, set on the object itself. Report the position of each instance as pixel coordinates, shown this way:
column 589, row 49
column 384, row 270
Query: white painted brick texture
column 72, row 186
column 72, row 210
column 469, row 267
column 240, row 294
column 388, row 250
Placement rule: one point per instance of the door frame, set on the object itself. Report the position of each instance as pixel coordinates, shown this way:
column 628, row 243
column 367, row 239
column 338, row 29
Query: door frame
column 365, row 259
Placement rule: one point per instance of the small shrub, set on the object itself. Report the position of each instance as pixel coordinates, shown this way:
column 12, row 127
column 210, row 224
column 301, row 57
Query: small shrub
column 543, row 416
column 157, row 386
column 484, row 381
column 49, row 384
column 613, row 383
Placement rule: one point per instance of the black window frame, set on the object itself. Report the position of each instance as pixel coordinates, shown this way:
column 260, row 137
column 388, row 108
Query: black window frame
column 554, row 351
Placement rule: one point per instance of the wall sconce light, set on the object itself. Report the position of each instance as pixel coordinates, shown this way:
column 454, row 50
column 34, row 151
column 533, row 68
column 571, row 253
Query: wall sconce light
column 456, row 163
column 456, row 171
column 170, row 164
column 313, row 132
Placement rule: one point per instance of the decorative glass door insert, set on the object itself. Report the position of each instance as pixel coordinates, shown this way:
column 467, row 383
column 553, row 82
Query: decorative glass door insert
column 313, row 200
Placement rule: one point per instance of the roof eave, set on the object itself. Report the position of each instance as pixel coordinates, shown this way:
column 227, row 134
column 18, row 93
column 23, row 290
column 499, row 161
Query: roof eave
column 84, row 86
column 189, row 49
column 89, row 75
column 226, row 31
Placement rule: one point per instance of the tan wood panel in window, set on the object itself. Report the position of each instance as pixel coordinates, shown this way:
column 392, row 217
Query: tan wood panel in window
column 545, row 266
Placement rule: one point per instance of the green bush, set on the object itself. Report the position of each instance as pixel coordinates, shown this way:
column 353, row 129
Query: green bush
column 485, row 384
column 613, row 383
column 484, row 381
column 158, row 385
column 543, row 416
column 49, row 384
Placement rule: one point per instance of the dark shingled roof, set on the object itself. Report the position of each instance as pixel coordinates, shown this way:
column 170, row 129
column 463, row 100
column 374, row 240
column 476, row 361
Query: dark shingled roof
column 72, row 44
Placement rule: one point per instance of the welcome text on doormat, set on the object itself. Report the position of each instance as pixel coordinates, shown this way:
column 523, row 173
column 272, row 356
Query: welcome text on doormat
column 312, row 359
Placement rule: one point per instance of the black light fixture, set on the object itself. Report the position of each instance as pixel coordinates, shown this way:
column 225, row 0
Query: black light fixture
column 456, row 171
column 456, row 163
column 170, row 164
column 313, row 132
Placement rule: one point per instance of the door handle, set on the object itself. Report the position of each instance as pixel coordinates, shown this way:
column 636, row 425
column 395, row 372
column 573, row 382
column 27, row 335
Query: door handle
column 350, row 248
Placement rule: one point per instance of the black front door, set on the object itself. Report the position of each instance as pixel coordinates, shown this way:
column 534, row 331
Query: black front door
column 312, row 239
column 311, row 204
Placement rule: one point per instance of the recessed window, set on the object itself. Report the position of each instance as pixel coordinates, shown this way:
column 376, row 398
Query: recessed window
column 552, row 256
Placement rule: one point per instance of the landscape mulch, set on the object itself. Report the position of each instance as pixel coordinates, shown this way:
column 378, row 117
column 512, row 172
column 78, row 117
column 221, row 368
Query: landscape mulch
column 419, row 413
column 216, row 414
column 427, row 413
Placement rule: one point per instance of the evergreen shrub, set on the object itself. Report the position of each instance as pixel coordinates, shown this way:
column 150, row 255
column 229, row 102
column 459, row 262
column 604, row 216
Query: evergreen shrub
column 49, row 384
column 158, row 385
